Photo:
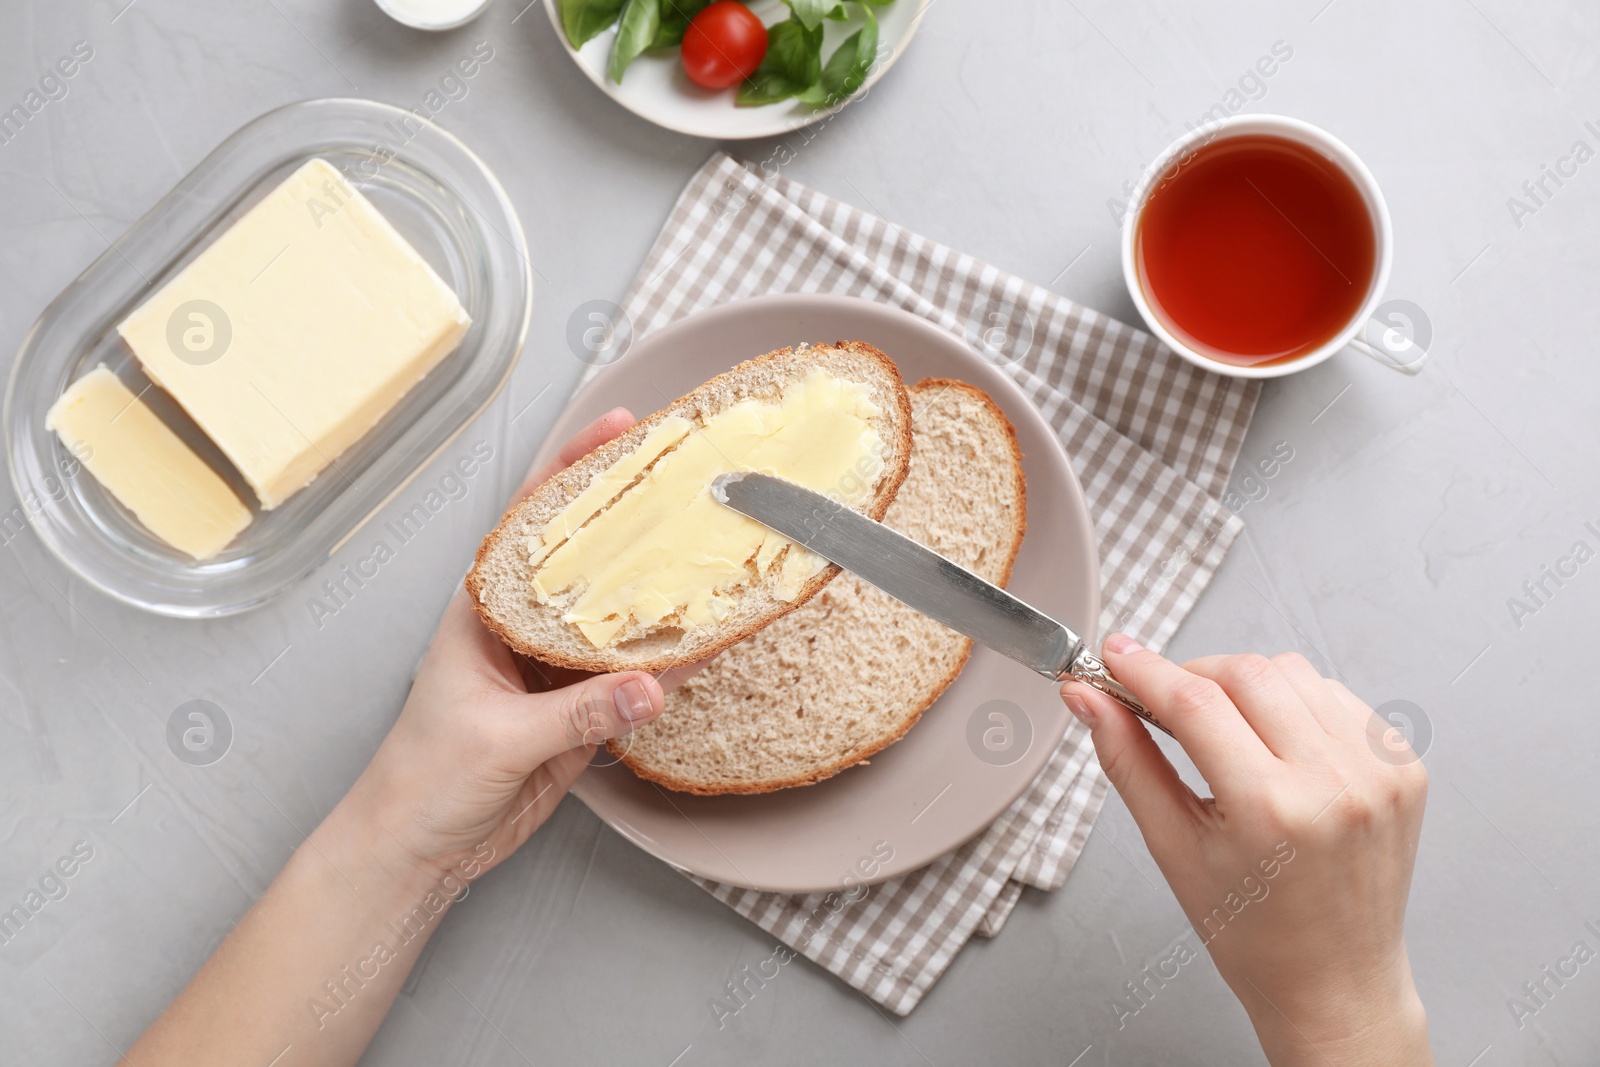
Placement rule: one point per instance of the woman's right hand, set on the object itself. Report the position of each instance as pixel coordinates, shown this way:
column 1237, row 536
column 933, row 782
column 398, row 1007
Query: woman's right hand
column 1295, row 874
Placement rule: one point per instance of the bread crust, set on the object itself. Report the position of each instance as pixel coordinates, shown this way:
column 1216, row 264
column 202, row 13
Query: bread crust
column 1015, row 448
column 567, row 483
column 617, row 746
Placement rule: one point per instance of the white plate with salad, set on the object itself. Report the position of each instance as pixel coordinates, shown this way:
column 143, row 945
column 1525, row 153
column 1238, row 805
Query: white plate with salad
column 732, row 70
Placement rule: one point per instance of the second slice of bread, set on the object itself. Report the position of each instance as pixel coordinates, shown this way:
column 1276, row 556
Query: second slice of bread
column 501, row 580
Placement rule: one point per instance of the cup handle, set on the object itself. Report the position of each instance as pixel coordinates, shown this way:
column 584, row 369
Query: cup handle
column 1390, row 347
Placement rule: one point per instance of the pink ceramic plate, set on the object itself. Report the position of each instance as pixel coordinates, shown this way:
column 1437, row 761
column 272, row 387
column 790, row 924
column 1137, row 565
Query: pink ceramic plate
column 961, row 766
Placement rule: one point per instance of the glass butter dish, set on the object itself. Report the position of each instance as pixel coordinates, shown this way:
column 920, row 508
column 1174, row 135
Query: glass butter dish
column 440, row 197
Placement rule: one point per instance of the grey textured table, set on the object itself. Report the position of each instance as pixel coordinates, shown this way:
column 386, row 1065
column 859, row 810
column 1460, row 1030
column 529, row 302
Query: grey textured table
column 1387, row 549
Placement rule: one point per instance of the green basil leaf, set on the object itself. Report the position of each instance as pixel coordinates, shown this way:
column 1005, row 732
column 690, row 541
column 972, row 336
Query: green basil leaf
column 838, row 13
column 809, row 13
column 636, row 29
column 792, row 65
column 583, row 20
column 675, row 18
column 847, row 68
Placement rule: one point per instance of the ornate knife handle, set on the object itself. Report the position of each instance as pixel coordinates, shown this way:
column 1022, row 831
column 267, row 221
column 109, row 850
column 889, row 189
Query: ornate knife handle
column 1089, row 670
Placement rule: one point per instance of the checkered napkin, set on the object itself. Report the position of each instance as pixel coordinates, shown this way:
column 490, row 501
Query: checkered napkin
column 1152, row 439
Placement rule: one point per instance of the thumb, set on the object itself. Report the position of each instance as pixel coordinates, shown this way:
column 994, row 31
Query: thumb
column 589, row 713
column 1141, row 773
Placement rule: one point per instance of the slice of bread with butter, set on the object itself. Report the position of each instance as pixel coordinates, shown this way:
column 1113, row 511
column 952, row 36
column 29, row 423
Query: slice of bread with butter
column 847, row 675
column 624, row 561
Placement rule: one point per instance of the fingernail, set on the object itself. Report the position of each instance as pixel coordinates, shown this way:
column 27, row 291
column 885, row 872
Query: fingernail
column 1079, row 708
column 1122, row 644
column 633, row 701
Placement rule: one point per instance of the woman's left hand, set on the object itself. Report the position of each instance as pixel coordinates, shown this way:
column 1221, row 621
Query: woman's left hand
column 488, row 742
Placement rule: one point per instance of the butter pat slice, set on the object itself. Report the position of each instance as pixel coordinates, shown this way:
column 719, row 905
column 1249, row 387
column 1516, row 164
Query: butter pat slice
column 297, row 330
column 146, row 466
column 665, row 549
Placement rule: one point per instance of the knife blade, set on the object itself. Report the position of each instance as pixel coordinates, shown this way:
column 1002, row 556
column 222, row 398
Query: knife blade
column 922, row 579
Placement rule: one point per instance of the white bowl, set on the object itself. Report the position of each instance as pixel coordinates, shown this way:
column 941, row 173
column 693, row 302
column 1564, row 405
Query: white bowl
column 416, row 13
column 655, row 87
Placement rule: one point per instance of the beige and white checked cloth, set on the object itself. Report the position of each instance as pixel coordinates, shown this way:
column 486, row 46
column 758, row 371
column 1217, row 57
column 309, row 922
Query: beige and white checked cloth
column 1152, row 439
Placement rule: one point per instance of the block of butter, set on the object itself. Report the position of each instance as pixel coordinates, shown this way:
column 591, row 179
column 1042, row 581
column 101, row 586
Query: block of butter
column 146, row 466
column 297, row 330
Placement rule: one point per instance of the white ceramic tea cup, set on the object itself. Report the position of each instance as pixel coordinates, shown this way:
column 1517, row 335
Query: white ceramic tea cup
column 1368, row 330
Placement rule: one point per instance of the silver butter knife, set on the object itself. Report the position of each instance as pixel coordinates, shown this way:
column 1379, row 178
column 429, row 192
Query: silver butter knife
column 922, row 579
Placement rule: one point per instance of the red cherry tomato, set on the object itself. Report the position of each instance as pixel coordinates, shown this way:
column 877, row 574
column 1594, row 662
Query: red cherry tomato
column 723, row 45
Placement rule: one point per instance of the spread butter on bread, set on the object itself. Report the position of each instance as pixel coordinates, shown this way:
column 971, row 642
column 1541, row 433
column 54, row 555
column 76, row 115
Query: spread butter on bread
column 623, row 561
